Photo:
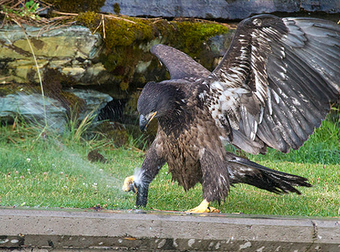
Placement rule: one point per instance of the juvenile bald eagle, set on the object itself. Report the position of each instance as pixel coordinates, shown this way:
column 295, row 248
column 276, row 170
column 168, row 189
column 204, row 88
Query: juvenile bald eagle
column 272, row 88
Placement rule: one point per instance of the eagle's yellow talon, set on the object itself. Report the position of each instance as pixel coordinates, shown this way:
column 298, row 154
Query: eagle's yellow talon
column 129, row 184
column 203, row 208
column 213, row 210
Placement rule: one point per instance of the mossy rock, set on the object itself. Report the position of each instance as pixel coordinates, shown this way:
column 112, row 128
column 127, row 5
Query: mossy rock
column 186, row 35
column 128, row 41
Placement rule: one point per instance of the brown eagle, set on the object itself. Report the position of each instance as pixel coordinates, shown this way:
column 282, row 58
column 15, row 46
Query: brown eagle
column 272, row 88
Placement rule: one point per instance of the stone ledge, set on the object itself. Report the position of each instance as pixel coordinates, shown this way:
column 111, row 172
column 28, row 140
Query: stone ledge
column 64, row 230
column 218, row 9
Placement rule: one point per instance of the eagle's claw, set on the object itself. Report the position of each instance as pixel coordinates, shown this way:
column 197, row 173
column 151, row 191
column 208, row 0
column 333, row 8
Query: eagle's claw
column 129, row 184
column 203, row 208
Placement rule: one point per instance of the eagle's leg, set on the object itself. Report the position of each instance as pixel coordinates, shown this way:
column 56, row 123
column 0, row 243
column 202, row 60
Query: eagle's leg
column 139, row 183
column 140, row 188
column 203, row 208
column 215, row 181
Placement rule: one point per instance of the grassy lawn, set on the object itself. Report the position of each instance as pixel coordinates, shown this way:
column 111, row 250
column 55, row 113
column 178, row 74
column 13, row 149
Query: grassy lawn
column 40, row 169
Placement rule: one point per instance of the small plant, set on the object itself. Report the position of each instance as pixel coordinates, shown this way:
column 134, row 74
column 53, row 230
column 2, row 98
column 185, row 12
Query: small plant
column 20, row 10
column 75, row 128
column 30, row 10
column 116, row 8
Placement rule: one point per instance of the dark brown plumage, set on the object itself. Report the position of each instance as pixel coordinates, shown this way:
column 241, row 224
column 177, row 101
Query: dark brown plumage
column 272, row 88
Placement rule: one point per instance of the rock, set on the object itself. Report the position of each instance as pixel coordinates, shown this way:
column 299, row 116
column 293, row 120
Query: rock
column 328, row 6
column 95, row 156
column 71, row 50
column 216, row 9
column 34, row 107
column 94, row 100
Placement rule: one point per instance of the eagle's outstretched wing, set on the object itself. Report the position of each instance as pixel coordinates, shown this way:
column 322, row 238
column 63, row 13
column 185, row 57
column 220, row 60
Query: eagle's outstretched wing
column 277, row 80
column 180, row 65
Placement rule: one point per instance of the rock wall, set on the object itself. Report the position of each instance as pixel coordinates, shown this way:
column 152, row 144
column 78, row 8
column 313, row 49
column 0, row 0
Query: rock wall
column 71, row 50
column 65, row 54
column 81, row 57
column 79, row 71
column 216, row 9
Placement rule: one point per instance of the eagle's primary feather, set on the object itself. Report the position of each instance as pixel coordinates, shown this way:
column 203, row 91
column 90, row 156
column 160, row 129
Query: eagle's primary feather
column 272, row 88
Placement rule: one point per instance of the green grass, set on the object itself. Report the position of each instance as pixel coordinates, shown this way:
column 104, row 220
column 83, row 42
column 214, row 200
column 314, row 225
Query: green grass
column 41, row 169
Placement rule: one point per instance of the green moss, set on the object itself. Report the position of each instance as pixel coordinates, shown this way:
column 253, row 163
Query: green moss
column 126, row 31
column 118, row 31
column 89, row 19
column 189, row 36
column 77, row 6
column 124, row 85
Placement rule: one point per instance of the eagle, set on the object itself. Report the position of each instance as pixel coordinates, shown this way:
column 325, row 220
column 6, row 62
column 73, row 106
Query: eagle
column 272, row 88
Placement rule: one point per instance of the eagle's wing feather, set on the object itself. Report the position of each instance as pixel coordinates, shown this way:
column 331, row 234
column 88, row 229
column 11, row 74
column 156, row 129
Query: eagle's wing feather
column 243, row 170
column 180, row 65
column 277, row 80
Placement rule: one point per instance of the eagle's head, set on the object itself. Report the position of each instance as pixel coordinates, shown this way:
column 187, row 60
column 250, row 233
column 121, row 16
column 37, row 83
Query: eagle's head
column 158, row 100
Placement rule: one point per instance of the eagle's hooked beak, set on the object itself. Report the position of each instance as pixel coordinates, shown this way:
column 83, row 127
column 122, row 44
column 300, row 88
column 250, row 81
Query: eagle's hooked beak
column 144, row 121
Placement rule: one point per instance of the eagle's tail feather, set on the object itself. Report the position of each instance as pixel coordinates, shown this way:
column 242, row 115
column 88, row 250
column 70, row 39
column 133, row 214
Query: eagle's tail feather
column 242, row 170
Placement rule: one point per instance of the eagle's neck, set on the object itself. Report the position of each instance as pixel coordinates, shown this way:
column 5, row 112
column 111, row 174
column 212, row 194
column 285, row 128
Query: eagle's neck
column 184, row 105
